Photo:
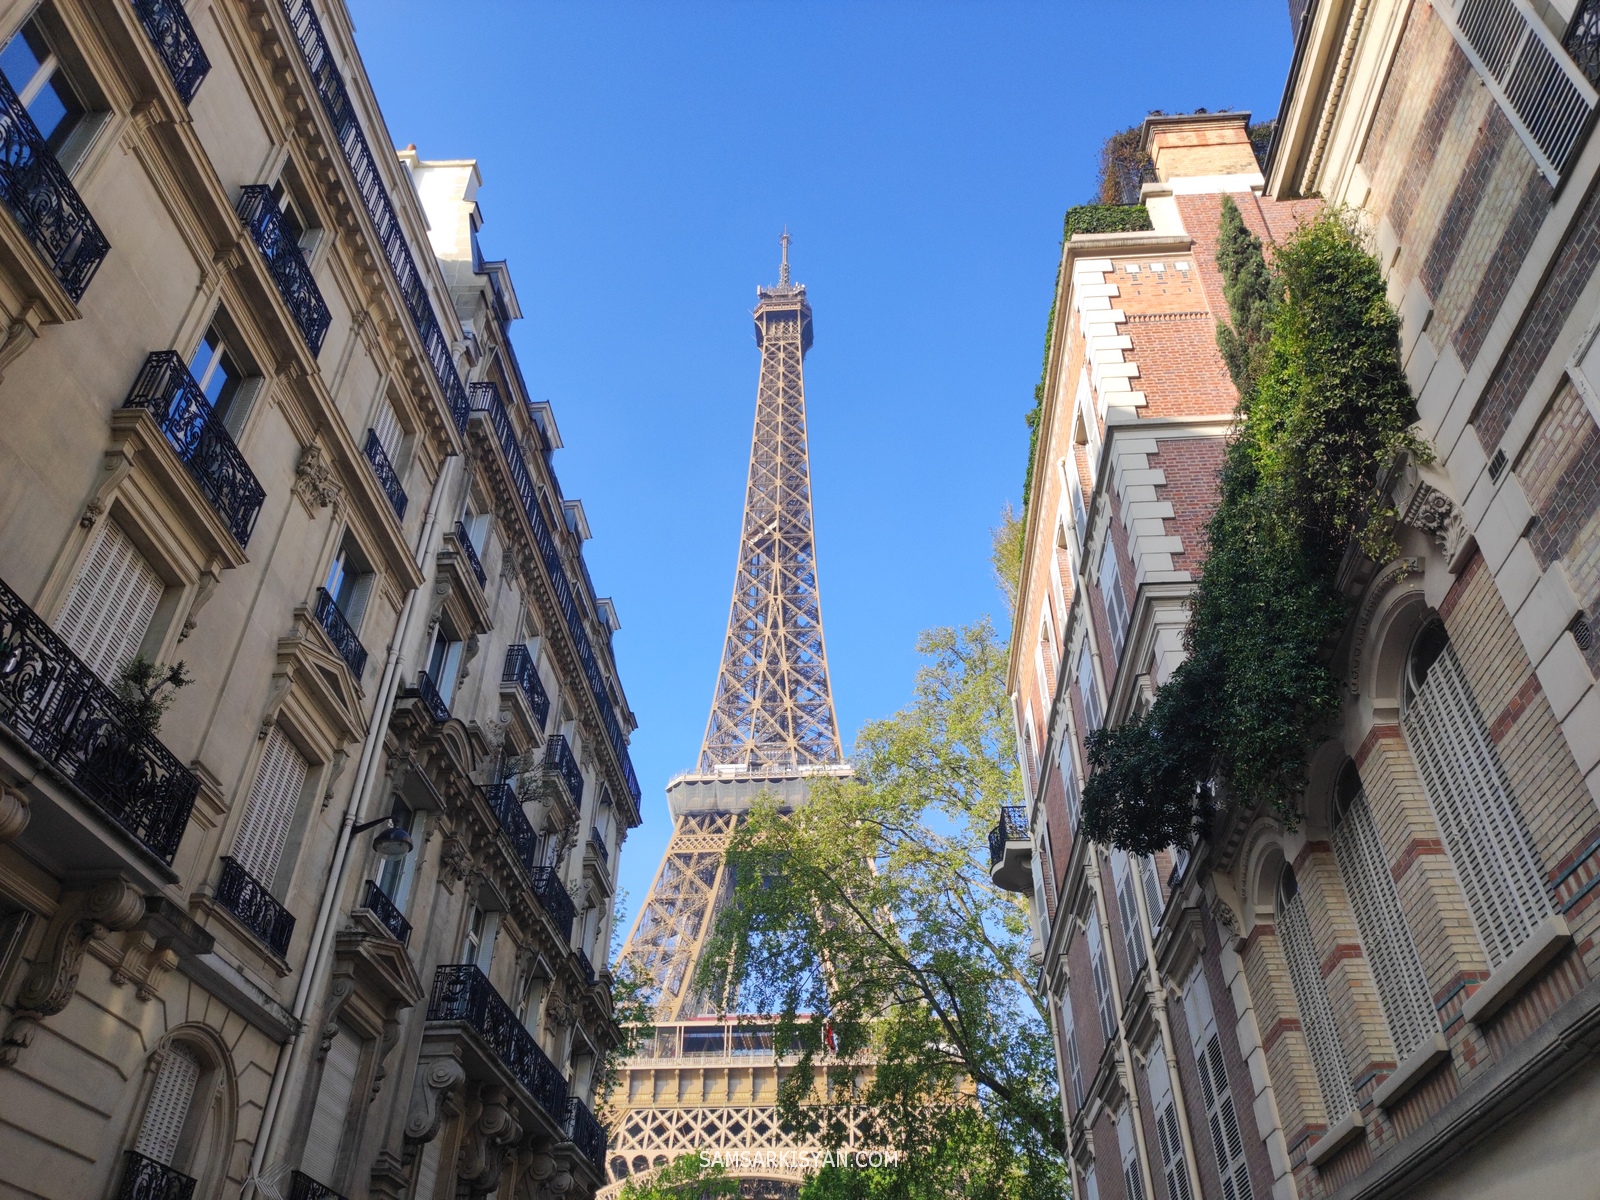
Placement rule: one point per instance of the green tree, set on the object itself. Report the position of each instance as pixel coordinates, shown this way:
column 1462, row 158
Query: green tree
column 688, row 1177
column 865, row 921
column 148, row 690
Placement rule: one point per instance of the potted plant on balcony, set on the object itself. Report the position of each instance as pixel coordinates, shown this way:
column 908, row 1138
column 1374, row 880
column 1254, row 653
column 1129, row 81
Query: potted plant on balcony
column 147, row 690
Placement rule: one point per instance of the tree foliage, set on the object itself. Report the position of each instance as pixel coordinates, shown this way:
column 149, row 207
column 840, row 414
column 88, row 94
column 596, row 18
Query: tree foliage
column 865, row 922
column 688, row 1177
column 1324, row 410
column 148, row 690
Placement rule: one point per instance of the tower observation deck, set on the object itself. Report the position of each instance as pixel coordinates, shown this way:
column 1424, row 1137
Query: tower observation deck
column 702, row 1083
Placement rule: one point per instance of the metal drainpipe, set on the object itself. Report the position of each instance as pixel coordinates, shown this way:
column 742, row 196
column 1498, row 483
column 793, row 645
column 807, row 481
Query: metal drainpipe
column 316, row 957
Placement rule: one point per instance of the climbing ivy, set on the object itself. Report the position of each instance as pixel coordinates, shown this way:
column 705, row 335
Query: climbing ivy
column 1324, row 408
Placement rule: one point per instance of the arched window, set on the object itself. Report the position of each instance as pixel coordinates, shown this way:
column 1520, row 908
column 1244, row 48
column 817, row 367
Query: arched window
column 180, row 1141
column 1396, row 969
column 1311, row 995
column 1466, row 785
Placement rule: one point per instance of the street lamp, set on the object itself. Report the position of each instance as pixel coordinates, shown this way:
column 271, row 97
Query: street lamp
column 393, row 842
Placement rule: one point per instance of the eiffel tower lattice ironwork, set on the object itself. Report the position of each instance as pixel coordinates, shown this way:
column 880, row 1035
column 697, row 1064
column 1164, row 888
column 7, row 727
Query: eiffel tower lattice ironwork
column 703, row 1082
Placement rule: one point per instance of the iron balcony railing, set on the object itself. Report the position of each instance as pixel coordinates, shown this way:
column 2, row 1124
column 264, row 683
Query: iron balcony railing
column 587, row 1134
column 471, row 552
column 169, row 393
column 507, row 809
column 1583, row 40
column 334, row 623
column 552, row 894
column 521, row 671
column 169, row 31
column 376, row 901
column 431, row 700
column 303, row 1187
column 60, row 708
column 43, row 201
column 559, row 760
column 329, row 86
column 146, row 1179
column 599, row 844
column 1013, row 827
column 286, row 264
column 387, row 479
column 463, row 993
column 585, row 965
column 486, row 399
column 247, row 898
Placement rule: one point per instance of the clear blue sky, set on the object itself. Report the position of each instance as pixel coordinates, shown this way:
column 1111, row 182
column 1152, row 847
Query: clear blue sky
column 639, row 162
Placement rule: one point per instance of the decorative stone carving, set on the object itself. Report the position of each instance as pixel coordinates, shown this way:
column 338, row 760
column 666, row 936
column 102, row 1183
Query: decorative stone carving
column 455, row 862
column 1380, row 585
column 143, row 962
column 489, row 1132
column 314, row 480
column 1431, row 511
column 1226, row 918
column 434, row 1099
column 14, row 814
column 560, row 1011
column 206, row 588
column 81, row 918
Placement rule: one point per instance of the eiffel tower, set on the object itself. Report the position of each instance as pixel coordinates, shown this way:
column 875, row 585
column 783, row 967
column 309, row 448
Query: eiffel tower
column 701, row 1084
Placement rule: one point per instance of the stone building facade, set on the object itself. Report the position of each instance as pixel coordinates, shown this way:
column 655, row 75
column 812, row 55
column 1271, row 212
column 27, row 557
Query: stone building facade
column 339, row 925
column 1396, row 996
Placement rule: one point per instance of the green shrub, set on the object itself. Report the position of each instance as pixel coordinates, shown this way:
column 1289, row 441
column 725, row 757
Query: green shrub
column 1107, row 218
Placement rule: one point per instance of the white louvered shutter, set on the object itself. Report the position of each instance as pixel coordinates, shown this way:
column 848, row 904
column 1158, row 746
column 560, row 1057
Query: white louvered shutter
column 1111, row 590
column 1091, row 698
column 1391, row 953
column 111, row 603
column 387, row 426
column 1128, row 908
column 1152, row 888
column 1132, row 1177
column 1102, row 979
column 280, row 778
column 428, row 1170
column 1173, row 1166
column 1482, row 829
column 1069, row 1035
column 1069, row 784
column 168, row 1107
column 320, row 1159
column 1316, row 1010
column 1091, row 1184
column 1221, row 1115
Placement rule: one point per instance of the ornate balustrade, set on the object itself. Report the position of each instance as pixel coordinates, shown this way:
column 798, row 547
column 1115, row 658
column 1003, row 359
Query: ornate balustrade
column 599, row 844
column 285, row 263
column 169, row 30
column 559, row 761
column 431, row 700
column 552, row 894
column 587, row 1134
column 520, row 670
column 332, row 619
column 507, row 809
column 471, row 551
column 1012, row 827
column 303, row 1187
column 387, row 478
column 376, row 901
column 463, row 993
column 146, row 1179
column 247, row 898
column 60, row 708
column 43, row 201
column 169, row 393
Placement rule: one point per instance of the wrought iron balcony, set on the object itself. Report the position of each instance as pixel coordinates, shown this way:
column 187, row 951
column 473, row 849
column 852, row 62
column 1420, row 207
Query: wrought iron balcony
column 553, row 897
column 463, row 993
column 507, row 809
column 471, row 552
column 387, row 479
column 585, row 966
column 431, row 700
column 169, row 393
column 247, row 898
column 60, row 708
column 1011, row 850
column 558, row 759
column 169, row 30
column 146, row 1179
column 587, row 1134
column 521, row 671
column 332, row 619
column 599, row 844
column 303, row 1187
column 376, row 901
column 43, row 201
column 286, row 264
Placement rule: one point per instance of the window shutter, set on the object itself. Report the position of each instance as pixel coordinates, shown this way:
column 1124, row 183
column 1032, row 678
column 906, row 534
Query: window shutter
column 1111, row 589
column 1221, row 1116
column 1069, row 1035
column 168, row 1107
column 1316, row 1010
column 1091, row 1185
column 1069, row 783
column 1392, row 954
column 428, row 1170
column 280, row 778
column 387, row 426
column 1132, row 1177
column 1482, row 829
column 1091, row 699
column 1128, row 907
column 111, row 603
column 320, row 1159
column 1173, row 1167
column 1152, row 888
column 1102, row 979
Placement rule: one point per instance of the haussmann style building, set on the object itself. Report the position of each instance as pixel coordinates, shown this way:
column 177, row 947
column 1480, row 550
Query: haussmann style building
column 336, row 923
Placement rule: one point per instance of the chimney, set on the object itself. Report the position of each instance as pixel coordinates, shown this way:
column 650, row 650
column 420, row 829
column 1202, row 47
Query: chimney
column 1186, row 145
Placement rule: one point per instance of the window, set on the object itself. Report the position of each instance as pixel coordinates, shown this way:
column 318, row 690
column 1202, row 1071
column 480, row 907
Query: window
column 1466, row 786
column 1132, row 1177
column 1221, row 1115
column 1173, row 1166
column 477, row 944
column 349, row 581
column 111, row 603
column 1391, row 953
column 301, row 230
column 386, row 425
column 274, row 799
column 1128, row 909
column 1069, row 1037
column 1152, row 889
column 395, row 875
column 1069, row 784
column 444, row 661
column 331, row 1113
column 167, row 1110
column 1091, row 698
column 1111, row 590
column 1091, row 1184
column 477, row 526
column 530, row 1000
column 1311, row 995
column 228, row 385
column 33, row 68
column 1102, row 979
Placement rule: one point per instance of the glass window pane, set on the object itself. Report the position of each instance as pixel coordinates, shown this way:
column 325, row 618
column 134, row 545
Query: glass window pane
column 21, row 57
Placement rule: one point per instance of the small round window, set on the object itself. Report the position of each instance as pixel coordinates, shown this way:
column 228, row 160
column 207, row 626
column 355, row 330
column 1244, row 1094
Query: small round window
column 1426, row 648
